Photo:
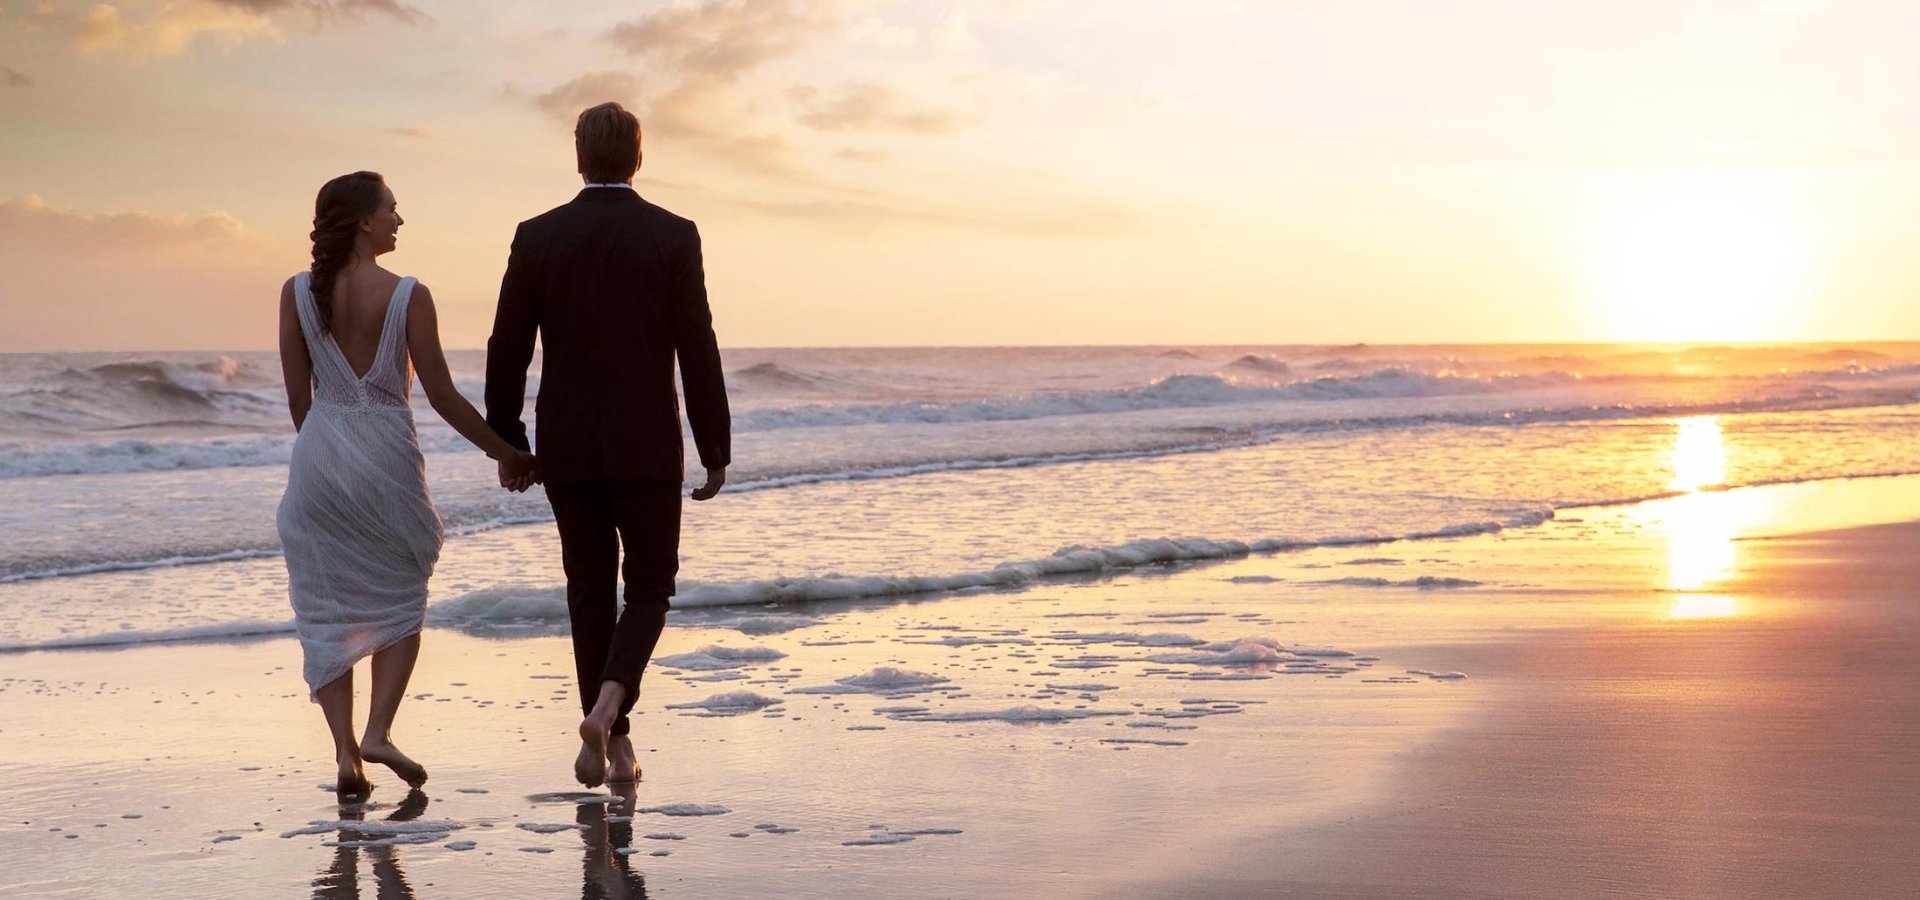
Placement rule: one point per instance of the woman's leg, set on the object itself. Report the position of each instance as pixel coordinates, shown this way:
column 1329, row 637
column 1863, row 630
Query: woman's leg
column 392, row 668
column 336, row 702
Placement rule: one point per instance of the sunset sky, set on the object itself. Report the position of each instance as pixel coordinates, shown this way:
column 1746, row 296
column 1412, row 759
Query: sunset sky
column 889, row 172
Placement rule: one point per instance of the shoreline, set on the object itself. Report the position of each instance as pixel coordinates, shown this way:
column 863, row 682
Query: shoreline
column 1071, row 738
column 1824, row 502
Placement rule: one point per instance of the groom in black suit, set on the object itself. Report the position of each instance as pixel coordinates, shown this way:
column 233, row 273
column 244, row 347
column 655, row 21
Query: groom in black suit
column 614, row 287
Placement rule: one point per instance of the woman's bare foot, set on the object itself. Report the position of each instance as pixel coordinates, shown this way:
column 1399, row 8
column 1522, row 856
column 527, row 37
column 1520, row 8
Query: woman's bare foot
column 352, row 784
column 590, row 767
column 386, row 754
column 622, row 768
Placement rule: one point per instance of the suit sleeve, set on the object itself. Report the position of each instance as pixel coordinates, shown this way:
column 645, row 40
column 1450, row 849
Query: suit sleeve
column 510, row 349
column 699, row 353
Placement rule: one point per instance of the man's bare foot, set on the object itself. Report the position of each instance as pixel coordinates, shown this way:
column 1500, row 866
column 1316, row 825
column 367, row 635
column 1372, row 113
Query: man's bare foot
column 590, row 767
column 622, row 768
column 390, row 756
column 352, row 783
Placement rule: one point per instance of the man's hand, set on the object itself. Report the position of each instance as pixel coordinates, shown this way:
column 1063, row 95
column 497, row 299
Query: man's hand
column 519, row 472
column 715, row 478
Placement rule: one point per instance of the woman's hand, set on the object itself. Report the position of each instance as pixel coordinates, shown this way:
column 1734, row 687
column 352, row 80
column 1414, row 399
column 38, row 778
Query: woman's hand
column 519, row 471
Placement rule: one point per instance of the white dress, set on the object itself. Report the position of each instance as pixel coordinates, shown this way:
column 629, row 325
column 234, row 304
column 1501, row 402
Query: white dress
column 358, row 528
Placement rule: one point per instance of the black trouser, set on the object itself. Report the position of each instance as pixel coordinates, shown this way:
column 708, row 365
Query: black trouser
column 597, row 519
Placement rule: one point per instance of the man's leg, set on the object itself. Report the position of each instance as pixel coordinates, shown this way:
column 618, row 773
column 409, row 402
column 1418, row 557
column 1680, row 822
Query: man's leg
column 590, row 555
column 649, row 520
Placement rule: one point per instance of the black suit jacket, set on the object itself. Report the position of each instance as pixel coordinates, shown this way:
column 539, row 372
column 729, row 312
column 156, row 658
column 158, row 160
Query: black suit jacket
column 615, row 289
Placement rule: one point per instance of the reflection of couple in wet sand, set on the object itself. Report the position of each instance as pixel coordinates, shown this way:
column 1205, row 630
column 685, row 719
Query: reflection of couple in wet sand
column 605, row 830
column 614, row 289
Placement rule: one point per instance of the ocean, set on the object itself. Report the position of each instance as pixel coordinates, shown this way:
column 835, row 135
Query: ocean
column 137, row 490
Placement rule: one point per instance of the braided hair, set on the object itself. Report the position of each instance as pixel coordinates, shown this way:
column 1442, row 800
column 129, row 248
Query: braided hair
column 337, row 213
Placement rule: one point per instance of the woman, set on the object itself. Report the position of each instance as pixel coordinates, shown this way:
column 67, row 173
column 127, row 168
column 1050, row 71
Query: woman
column 360, row 533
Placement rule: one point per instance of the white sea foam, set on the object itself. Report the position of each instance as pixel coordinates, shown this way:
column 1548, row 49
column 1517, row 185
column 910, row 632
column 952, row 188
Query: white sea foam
column 507, row 603
column 881, row 680
column 1068, row 561
column 1424, row 582
column 1016, row 715
column 685, row 809
column 1331, row 652
column 770, row 623
column 416, row 826
column 731, row 702
column 549, row 827
column 197, row 633
column 714, row 656
column 1252, row 651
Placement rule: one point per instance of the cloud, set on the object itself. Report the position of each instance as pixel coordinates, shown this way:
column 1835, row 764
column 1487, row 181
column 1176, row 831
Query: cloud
column 14, row 77
column 705, row 116
column 868, row 107
column 29, row 219
column 874, row 32
column 418, row 131
column 566, row 101
column 125, row 280
column 1086, row 219
column 711, row 57
column 726, row 39
column 954, row 34
column 178, row 25
column 707, row 53
column 334, row 10
column 170, row 31
column 859, row 155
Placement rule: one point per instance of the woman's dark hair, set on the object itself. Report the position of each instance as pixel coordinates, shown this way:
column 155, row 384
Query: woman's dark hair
column 606, row 140
column 337, row 212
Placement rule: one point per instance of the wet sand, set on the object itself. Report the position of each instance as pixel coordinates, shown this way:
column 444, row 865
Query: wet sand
column 1624, row 722
column 1775, row 754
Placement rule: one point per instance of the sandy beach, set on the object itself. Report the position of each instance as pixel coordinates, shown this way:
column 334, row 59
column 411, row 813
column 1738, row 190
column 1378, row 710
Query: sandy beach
column 1574, row 709
column 1765, row 755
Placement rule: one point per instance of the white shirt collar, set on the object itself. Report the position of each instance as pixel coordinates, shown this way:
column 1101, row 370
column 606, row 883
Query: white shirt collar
column 613, row 184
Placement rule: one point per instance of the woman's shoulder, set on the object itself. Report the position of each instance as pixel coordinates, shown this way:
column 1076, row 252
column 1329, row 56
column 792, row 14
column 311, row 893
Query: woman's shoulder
column 418, row 295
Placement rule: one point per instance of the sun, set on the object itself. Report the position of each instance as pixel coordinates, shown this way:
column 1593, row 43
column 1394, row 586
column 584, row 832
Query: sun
column 1696, row 256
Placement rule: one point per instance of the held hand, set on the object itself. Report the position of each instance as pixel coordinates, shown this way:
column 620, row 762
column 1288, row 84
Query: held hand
column 519, row 472
column 715, row 478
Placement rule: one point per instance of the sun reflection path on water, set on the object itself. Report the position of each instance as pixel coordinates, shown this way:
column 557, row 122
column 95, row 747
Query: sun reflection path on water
column 1706, row 527
column 1700, row 528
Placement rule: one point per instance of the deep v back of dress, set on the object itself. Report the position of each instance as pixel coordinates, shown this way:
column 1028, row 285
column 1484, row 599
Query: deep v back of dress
column 357, row 526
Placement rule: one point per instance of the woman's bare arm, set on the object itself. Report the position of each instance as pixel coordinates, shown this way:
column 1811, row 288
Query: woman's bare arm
column 430, row 363
column 295, row 365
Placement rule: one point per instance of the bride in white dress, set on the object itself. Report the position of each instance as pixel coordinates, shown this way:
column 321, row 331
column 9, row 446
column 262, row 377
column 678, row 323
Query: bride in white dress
column 360, row 533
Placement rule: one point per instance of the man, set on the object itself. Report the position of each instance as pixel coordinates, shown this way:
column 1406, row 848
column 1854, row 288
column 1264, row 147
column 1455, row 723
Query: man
column 615, row 289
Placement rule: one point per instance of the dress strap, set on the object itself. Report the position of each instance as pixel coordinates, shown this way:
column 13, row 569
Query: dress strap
column 318, row 343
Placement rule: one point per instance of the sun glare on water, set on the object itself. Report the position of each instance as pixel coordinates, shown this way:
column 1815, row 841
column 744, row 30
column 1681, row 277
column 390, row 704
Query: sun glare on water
column 1700, row 528
column 1700, row 255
